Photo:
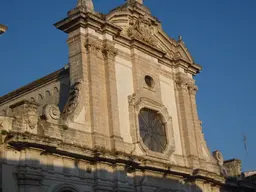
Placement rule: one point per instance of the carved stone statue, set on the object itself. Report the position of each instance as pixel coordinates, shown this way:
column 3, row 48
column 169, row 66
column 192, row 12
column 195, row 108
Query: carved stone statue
column 88, row 4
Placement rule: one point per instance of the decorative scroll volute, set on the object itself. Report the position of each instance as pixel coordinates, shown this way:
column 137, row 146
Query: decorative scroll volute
column 51, row 113
column 73, row 99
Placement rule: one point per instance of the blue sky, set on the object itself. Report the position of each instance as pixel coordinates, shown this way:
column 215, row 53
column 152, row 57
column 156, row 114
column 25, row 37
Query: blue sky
column 220, row 34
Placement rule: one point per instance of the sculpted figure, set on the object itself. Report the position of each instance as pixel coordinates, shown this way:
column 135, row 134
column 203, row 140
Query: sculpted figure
column 88, row 4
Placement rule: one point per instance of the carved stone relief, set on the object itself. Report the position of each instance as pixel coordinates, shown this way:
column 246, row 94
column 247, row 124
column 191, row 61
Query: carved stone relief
column 142, row 29
column 25, row 115
column 51, row 113
column 74, row 96
column 31, row 116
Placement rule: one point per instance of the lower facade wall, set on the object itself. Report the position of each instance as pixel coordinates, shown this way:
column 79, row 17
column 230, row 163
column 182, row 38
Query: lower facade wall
column 16, row 178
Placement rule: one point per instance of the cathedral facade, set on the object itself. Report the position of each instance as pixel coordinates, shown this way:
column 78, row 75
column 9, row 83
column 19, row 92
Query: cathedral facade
column 121, row 116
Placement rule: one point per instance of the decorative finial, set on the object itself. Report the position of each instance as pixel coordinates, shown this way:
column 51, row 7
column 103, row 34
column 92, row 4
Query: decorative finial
column 3, row 29
column 133, row 1
column 87, row 4
column 180, row 38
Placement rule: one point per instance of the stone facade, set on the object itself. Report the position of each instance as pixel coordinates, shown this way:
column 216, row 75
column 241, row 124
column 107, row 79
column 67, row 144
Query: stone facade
column 77, row 130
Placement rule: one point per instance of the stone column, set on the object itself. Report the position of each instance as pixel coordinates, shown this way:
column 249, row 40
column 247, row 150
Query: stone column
column 186, row 118
column 109, row 53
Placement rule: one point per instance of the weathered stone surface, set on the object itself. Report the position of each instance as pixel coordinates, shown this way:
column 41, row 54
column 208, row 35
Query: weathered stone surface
column 80, row 131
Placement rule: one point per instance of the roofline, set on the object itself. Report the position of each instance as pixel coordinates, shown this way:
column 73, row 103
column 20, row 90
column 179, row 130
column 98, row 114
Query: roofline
column 34, row 84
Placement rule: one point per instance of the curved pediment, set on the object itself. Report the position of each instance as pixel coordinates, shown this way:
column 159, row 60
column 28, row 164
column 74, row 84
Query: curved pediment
column 174, row 49
column 147, row 29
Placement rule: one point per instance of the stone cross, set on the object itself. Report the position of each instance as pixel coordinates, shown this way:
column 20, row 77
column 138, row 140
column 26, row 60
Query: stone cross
column 87, row 4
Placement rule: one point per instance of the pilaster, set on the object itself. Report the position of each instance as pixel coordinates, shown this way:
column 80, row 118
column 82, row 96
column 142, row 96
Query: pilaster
column 186, row 119
column 109, row 53
column 97, row 90
column 197, row 127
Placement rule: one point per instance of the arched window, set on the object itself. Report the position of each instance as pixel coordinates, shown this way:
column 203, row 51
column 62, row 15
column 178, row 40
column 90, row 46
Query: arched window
column 152, row 130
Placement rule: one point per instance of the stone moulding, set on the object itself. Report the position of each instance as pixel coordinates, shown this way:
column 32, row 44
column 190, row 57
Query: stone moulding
column 58, row 147
column 136, row 104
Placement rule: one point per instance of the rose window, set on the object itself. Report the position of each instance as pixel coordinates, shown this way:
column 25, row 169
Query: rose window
column 152, row 130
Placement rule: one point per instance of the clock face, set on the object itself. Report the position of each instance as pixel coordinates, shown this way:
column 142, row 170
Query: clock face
column 152, row 130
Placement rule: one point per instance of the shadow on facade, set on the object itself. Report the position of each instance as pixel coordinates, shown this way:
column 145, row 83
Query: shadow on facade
column 33, row 176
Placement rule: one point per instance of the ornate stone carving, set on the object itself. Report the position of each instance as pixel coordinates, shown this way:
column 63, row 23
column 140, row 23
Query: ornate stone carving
column 181, row 78
column 181, row 81
column 218, row 156
column 132, row 99
column 142, row 29
column 86, row 4
column 73, row 98
column 109, row 51
column 134, row 1
column 32, row 117
column 220, row 160
column 185, row 83
column 94, row 47
column 193, row 89
column 51, row 112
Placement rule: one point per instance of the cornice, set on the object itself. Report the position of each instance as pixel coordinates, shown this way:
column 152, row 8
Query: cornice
column 21, row 141
column 159, row 54
column 77, row 19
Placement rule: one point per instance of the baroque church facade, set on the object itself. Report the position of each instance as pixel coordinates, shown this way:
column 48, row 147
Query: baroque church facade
column 121, row 116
